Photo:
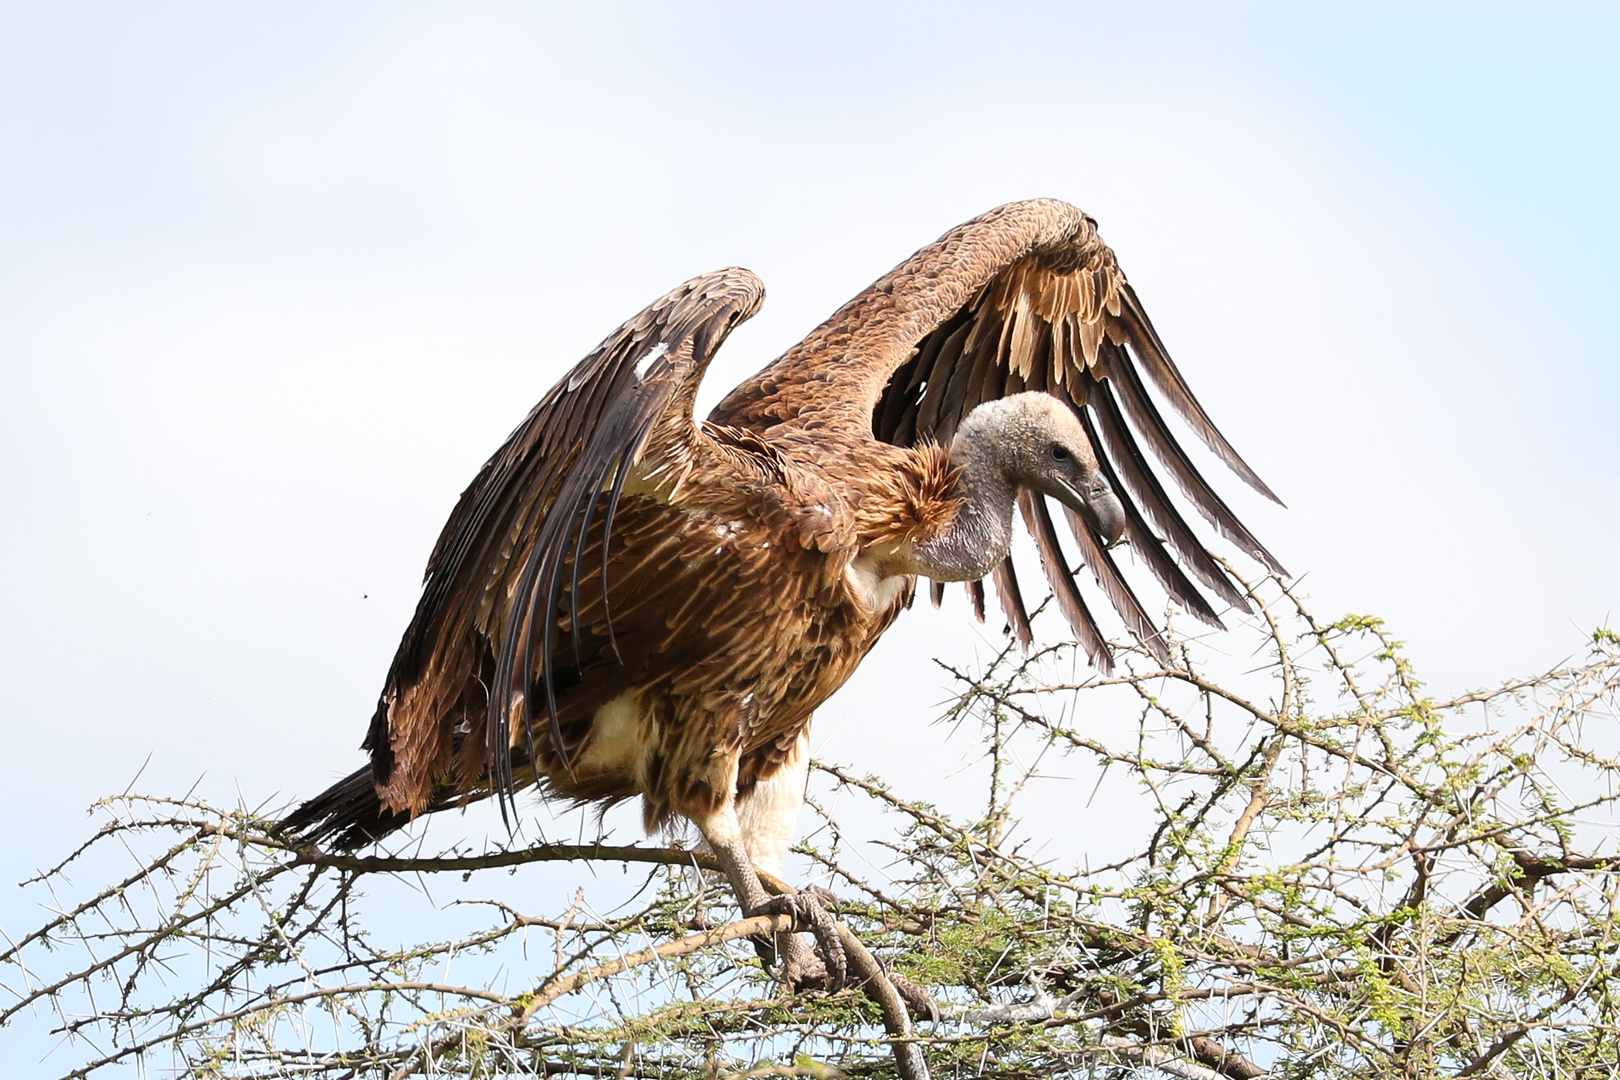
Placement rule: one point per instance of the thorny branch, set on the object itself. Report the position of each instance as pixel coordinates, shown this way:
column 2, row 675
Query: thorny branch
column 1288, row 862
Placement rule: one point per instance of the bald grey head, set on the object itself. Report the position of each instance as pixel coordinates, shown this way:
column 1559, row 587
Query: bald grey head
column 1036, row 441
column 1030, row 440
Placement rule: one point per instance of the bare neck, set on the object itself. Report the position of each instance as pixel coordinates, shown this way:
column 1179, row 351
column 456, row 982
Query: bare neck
column 972, row 545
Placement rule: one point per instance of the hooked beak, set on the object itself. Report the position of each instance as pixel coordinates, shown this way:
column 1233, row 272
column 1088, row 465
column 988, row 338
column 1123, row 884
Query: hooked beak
column 1097, row 505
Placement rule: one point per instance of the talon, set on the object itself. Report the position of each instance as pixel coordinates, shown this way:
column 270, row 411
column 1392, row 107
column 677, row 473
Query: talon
column 828, row 898
column 810, row 914
column 919, row 1001
column 802, row 969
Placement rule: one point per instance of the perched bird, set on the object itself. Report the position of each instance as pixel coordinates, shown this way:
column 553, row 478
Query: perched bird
column 627, row 601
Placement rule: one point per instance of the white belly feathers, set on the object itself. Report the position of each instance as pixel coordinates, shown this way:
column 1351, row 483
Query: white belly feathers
column 869, row 579
column 615, row 738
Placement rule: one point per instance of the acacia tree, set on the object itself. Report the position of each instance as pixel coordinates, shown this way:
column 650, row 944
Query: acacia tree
column 1326, row 873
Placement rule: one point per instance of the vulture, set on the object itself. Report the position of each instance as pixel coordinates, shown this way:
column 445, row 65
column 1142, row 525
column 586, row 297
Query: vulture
column 628, row 601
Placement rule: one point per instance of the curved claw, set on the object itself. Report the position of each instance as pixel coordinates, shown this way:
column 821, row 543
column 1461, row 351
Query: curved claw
column 919, row 1001
column 810, row 914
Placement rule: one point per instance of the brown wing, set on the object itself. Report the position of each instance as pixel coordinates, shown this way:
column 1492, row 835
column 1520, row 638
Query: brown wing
column 1025, row 297
column 517, row 542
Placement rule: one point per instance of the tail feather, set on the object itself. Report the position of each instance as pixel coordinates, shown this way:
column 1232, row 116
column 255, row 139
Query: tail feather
column 347, row 815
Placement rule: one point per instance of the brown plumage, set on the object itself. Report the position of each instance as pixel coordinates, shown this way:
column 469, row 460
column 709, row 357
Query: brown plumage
column 628, row 602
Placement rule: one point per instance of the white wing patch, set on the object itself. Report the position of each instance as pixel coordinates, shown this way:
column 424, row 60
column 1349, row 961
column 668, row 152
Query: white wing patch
column 616, row 739
column 724, row 530
column 868, row 580
column 646, row 362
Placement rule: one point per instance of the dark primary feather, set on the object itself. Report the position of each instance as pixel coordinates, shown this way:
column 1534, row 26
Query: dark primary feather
column 1012, row 602
column 521, row 528
column 1145, row 416
column 1051, row 312
column 578, row 563
column 348, row 814
column 1148, row 547
column 630, row 388
column 975, row 591
column 1155, row 360
column 1126, row 462
column 1064, row 589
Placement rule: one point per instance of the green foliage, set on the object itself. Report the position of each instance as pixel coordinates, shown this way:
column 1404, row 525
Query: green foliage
column 1314, row 869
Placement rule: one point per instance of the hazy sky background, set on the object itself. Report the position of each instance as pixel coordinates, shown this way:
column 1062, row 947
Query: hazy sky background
column 276, row 278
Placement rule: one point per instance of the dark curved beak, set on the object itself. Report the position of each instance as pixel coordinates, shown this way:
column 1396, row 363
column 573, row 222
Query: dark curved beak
column 1098, row 506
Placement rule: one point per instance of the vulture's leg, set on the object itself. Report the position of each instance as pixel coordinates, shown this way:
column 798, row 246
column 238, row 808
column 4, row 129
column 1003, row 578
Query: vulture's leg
column 724, row 834
column 768, row 815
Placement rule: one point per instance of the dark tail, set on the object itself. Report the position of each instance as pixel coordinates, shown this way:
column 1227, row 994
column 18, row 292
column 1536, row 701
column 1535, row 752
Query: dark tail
column 346, row 815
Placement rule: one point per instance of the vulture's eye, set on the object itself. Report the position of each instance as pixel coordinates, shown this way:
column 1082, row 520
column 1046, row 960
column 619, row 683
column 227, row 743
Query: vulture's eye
column 1059, row 453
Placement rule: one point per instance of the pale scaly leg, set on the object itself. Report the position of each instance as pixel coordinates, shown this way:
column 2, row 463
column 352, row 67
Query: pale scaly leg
column 724, row 834
column 768, row 816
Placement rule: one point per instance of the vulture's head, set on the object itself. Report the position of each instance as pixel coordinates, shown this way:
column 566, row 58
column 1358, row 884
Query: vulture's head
column 1033, row 440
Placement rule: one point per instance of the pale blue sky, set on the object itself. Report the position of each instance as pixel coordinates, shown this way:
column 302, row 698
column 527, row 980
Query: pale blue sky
column 275, row 279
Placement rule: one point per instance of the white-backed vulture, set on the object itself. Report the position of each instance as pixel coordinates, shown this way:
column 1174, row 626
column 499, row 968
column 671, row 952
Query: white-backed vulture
column 627, row 602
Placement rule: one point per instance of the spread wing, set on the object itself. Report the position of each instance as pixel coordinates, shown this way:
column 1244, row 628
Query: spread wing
column 1026, row 297
column 526, row 535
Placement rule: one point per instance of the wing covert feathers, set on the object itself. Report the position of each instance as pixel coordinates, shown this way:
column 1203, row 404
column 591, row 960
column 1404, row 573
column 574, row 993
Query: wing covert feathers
column 1025, row 297
column 705, row 579
column 517, row 541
